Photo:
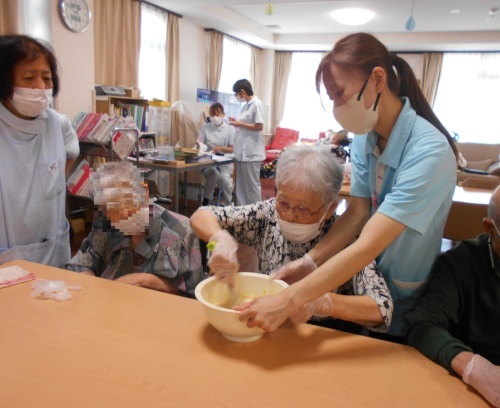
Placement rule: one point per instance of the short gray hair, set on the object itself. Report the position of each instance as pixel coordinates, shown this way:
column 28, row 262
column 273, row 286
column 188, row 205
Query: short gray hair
column 312, row 168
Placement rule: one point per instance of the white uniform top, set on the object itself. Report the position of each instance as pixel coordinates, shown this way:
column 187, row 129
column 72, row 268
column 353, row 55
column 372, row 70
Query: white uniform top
column 33, row 155
column 213, row 135
column 249, row 144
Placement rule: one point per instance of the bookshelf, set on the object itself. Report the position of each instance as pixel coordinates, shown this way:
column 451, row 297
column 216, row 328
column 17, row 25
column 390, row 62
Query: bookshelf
column 106, row 103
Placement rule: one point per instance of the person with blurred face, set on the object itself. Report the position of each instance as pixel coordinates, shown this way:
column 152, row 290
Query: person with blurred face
column 218, row 136
column 135, row 243
column 37, row 144
column 402, row 183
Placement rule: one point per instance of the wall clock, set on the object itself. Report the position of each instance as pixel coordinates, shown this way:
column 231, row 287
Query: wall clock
column 75, row 14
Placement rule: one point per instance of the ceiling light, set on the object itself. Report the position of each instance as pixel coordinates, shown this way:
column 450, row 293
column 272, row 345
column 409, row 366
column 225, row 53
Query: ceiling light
column 352, row 16
column 455, row 11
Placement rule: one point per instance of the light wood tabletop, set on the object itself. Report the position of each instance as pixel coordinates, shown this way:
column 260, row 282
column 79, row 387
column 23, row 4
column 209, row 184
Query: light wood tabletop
column 115, row 345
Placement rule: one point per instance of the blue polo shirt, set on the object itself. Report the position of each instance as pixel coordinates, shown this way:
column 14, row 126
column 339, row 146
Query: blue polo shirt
column 416, row 190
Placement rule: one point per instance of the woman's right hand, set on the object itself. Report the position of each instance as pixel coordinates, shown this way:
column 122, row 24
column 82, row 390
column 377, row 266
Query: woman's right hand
column 223, row 262
column 294, row 271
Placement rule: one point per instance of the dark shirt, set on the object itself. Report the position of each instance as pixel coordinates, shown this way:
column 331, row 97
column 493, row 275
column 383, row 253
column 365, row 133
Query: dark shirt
column 460, row 310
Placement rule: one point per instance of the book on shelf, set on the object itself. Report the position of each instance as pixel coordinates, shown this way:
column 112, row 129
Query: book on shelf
column 77, row 120
column 102, row 120
column 87, row 125
column 78, row 182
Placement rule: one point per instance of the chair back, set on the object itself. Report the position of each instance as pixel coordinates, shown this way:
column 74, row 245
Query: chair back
column 485, row 184
column 284, row 137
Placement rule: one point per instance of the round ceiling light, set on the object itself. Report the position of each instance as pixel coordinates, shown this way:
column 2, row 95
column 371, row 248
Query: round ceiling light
column 352, row 16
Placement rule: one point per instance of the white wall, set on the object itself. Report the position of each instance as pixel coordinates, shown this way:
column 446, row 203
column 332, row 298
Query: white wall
column 193, row 61
column 75, row 52
column 416, row 62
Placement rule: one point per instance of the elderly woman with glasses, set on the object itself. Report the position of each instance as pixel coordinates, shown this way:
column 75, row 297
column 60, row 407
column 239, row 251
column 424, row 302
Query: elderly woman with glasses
column 285, row 228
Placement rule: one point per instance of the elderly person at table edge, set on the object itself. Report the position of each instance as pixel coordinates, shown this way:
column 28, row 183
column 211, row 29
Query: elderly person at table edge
column 284, row 228
column 456, row 322
column 135, row 243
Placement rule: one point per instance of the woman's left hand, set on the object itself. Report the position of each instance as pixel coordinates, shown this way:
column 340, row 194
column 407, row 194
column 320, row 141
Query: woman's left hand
column 267, row 312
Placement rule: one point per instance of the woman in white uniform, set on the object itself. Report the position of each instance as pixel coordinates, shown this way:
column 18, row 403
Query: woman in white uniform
column 218, row 136
column 249, row 148
column 35, row 143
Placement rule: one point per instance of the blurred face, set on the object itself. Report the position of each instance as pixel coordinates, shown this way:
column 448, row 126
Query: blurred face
column 124, row 206
column 33, row 74
column 341, row 85
column 301, row 206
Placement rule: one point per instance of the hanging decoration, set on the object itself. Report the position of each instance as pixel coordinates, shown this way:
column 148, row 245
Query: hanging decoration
column 269, row 9
column 410, row 24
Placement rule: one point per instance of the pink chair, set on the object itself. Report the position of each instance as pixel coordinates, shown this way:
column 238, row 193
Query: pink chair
column 282, row 138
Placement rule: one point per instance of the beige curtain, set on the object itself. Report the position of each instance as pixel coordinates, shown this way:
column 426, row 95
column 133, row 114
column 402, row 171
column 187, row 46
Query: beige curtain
column 117, row 39
column 255, row 68
column 215, row 53
column 9, row 17
column 282, row 67
column 433, row 62
column 173, row 58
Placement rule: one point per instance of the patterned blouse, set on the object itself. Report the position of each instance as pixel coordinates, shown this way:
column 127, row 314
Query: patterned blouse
column 170, row 250
column 256, row 225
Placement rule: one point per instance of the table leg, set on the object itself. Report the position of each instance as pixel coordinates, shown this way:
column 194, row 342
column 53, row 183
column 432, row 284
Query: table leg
column 176, row 192
column 185, row 194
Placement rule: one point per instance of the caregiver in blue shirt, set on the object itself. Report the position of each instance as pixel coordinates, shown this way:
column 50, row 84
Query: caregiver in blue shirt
column 403, row 179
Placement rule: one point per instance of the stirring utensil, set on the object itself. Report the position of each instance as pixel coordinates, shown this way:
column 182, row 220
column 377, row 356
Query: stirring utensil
column 233, row 296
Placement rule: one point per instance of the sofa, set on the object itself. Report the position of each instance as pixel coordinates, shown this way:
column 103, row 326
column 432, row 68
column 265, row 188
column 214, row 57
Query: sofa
column 482, row 161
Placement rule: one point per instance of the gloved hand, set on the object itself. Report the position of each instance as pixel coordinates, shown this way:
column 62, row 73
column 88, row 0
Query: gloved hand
column 294, row 271
column 484, row 377
column 223, row 262
column 321, row 307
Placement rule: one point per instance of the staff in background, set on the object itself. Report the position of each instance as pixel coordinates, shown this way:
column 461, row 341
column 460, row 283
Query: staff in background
column 249, row 147
column 403, row 180
column 218, row 136
column 36, row 143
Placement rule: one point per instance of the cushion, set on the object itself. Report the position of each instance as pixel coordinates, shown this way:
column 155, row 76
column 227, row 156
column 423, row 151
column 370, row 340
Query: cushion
column 479, row 165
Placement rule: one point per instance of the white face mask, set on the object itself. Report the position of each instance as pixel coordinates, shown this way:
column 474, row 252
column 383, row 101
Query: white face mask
column 31, row 102
column 240, row 99
column 216, row 120
column 354, row 117
column 134, row 225
column 300, row 233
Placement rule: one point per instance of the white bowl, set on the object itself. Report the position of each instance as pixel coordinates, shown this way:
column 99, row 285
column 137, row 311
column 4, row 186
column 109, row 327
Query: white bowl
column 211, row 293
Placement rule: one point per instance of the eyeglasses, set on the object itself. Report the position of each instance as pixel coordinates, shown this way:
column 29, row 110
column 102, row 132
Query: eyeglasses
column 284, row 207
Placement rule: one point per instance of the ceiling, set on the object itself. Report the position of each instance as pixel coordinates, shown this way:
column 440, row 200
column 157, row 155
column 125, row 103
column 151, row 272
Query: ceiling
column 305, row 25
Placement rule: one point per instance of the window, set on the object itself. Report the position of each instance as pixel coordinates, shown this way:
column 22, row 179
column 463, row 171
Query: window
column 467, row 96
column 303, row 106
column 236, row 61
column 153, row 53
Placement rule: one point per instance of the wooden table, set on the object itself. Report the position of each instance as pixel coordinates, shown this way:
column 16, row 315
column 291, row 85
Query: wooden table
column 469, row 207
column 115, row 345
column 177, row 170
